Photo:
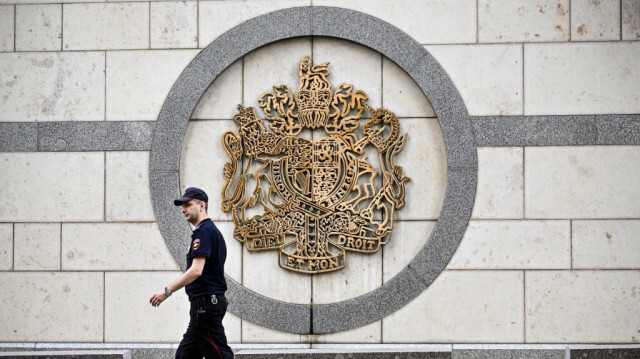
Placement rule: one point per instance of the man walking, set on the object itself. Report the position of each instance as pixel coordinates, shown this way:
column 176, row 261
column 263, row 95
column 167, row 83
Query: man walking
column 203, row 281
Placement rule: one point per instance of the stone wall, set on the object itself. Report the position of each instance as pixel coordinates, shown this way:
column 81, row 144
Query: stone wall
column 551, row 253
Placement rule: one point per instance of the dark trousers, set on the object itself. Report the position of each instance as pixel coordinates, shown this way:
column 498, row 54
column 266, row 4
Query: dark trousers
column 205, row 334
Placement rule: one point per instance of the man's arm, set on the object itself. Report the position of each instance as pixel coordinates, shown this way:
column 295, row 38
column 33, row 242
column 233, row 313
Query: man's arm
column 187, row 277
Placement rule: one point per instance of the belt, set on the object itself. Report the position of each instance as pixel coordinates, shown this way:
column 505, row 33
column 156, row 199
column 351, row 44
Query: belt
column 213, row 297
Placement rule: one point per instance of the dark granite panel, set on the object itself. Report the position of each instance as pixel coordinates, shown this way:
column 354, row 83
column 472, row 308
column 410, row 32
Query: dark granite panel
column 618, row 129
column 176, row 231
column 175, row 114
column 605, row 353
column 372, row 306
column 18, row 136
column 368, row 31
column 286, row 317
column 337, row 354
column 95, row 136
column 451, row 226
column 508, row 354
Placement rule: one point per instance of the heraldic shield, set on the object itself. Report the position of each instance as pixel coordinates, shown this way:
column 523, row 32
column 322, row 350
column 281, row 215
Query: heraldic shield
column 318, row 198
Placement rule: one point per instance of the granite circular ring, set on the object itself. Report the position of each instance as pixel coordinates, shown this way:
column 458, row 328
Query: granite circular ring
column 460, row 145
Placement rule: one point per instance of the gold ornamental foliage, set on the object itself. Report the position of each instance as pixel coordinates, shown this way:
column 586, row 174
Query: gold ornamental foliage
column 313, row 200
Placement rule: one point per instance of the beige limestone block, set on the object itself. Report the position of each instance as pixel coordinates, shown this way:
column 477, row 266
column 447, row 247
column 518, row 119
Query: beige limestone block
column 488, row 77
column 233, row 264
column 174, row 24
column 273, row 65
column 67, row 186
column 429, row 21
column 353, row 64
column 48, row 1
column 523, row 20
column 114, row 246
column 514, row 245
column 39, row 307
column 499, row 194
column 423, row 160
column 630, row 20
column 128, row 315
column 37, row 246
column 582, row 78
column 39, row 27
column 362, row 274
column 52, row 86
column 262, row 274
column 217, row 17
column 252, row 333
column 368, row 334
column 128, row 197
column 222, row 97
column 138, row 82
column 107, row 26
column 462, row 306
column 595, row 20
column 606, row 244
column 6, row 246
column 407, row 239
column 202, row 162
column 232, row 328
column 582, row 182
column 582, row 306
column 7, row 33
column 401, row 94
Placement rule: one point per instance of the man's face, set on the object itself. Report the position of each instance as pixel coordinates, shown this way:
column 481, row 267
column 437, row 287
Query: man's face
column 191, row 211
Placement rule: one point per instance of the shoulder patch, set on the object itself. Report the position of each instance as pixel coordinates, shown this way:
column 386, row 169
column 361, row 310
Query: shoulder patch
column 196, row 244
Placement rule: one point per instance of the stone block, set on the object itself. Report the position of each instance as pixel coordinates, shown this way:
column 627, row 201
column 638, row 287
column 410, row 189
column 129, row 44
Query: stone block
column 582, row 306
column 128, row 197
column 351, row 63
column 263, row 275
column 401, row 94
column 37, row 246
column 523, row 21
column 462, row 306
column 94, row 136
column 36, row 307
column 6, row 246
column 174, row 24
column 222, row 97
column 127, row 301
column 114, row 246
column 630, row 20
column 52, row 86
column 115, row 26
column 606, row 244
column 273, row 65
column 514, row 245
column 507, row 352
column 368, row 334
column 582, row 182
column 618, row 129
column 252, row 333
column 500, row 193
column 67, row 186
column 138, row 81
column 473, row 69
column 7, row 28
column 232, row 328
column 203, row 159
column 39, row 27
column 423, row 161
column 595, row 20
column 582, row 78
column 429, row 22
column 407, row 240
column 217, row 17
column 233, row 264
column 18, row 136
column 602, row 352
column 362, row 274
column 69, row 354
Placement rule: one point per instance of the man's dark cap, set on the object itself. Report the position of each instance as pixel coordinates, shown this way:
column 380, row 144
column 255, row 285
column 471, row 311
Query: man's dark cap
column 191, row 193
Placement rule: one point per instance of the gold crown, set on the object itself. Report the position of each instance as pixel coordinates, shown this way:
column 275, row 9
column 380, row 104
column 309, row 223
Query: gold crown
column 314, row 94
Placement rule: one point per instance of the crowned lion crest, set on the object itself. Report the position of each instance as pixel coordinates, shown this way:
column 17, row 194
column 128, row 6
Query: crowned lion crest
column 315, row 199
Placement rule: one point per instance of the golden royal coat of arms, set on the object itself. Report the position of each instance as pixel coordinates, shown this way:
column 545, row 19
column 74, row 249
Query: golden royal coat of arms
column 318, row 198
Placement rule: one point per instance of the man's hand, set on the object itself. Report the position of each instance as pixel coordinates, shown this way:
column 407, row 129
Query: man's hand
column 157, row 298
